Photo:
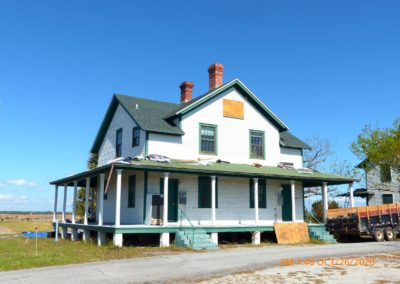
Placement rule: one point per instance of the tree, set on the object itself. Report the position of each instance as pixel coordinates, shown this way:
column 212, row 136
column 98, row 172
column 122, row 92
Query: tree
column 322, row 158
column 316, row 208
column 379, row 146
column 318, row 155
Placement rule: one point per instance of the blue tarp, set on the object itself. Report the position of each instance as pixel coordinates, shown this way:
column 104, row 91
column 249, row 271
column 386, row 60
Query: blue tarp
column 33, row 234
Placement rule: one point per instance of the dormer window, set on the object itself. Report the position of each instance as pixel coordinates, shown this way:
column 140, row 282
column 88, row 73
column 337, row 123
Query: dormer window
column 257, row 144
column 208, row 139
column 135, row 136
column 118, row 143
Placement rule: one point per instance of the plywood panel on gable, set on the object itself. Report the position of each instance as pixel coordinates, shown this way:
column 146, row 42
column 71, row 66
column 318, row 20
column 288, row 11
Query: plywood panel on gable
column 233, row 108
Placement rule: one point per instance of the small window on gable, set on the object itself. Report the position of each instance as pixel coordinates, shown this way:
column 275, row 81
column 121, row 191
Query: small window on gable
column 131, row 191
column 208, row 139
column 262, row 193
column 135, row 136
column 257, row 145
column 386, row 175
column 118, row 143
column 204, row 192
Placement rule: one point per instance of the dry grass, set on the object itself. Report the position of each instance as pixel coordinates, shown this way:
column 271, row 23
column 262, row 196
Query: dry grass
column 16, row 227
column 19, row 252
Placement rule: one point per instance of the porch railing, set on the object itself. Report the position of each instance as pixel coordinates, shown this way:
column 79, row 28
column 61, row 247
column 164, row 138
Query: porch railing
column 183, row 215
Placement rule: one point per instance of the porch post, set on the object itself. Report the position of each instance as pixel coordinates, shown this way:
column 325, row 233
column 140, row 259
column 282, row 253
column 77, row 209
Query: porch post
column 101, row 236
column 74, row 231
column 101, row 198
column 86, row 233
column 351, row 194
column 118, row 198
column 64, row 202
column 324, row 201
column 256, row 200
column 64, row 230
column 165, row 205
column 74, row 203
column 85, row 217
column 164, row 237
column 213, row 199
column 55, row 203
column 118, row 237
column 293, row 198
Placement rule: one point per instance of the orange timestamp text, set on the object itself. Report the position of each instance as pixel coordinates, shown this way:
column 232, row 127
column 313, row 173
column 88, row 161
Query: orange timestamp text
column 329, row 261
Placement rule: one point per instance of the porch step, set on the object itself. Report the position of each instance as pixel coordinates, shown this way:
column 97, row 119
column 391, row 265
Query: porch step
column 319, row 232
column 197, row 239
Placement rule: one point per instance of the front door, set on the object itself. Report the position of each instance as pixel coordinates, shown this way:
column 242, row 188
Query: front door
column 172, row 198
column 286, row 203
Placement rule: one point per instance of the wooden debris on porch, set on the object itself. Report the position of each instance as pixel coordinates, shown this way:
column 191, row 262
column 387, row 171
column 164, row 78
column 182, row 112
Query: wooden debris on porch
column 291, row 233
column 109, row 178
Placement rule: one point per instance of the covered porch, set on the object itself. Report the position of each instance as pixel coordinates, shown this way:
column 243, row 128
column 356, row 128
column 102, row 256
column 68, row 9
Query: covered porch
column 283, row 189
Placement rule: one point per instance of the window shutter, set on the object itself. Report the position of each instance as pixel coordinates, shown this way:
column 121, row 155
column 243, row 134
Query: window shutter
column 262, row 199
column 251, row 191
column 262, row 193
column 131, row 191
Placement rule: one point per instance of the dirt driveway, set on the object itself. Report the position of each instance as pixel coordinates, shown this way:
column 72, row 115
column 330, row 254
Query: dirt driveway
column 377, row 269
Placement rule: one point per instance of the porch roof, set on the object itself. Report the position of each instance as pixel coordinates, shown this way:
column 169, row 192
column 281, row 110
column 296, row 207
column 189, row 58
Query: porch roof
column 309, row 179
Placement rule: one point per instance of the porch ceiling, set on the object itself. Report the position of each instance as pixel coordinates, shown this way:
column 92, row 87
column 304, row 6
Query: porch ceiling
column 219, row 169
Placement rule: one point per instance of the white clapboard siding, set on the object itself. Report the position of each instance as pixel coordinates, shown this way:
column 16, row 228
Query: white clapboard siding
column 122, row 120
column 128, row 215
column 233, row 200
column 232, row 135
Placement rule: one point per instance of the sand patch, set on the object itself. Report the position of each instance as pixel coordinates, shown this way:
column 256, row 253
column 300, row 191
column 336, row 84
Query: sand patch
column 5, row 231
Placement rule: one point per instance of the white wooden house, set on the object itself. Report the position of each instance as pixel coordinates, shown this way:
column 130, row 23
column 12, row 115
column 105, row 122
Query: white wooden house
column 382, row 183
column 235, row 167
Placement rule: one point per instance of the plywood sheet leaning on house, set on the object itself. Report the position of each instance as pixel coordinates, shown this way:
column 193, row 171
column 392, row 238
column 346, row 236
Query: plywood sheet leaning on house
column 291, row 233
column 233, row 109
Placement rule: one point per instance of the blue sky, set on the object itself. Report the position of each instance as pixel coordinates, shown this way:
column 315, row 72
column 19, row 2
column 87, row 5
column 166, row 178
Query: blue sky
column 326, row 68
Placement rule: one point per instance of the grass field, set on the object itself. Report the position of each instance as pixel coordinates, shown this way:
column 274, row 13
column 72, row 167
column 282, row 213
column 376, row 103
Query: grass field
column 17, row 252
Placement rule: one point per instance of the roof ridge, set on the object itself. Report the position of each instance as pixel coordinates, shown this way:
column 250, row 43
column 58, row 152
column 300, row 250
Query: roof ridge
column 144, row 99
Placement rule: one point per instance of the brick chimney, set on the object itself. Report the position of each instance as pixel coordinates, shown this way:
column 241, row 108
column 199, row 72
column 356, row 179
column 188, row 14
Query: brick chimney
column 186, row 91
column 215, row 75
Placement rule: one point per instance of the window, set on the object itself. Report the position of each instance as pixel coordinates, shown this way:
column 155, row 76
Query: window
column 118, row 143
column 131, row 191
column 256, row 144
column 262, row 193
column 205, row 192
column 135, row 136
column 387, row 198
column 208, row 139
column 386, row 175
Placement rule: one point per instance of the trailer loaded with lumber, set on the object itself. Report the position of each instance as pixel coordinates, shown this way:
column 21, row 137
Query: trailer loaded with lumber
column 379, row 221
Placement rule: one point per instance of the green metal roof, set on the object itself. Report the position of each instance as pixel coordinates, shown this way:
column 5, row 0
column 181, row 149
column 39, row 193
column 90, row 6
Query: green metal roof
column 147, row 114
column 220, row 169
column 291, row 141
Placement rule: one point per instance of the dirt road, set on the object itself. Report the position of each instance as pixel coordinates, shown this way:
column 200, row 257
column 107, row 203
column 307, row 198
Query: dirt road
column 189, row 267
